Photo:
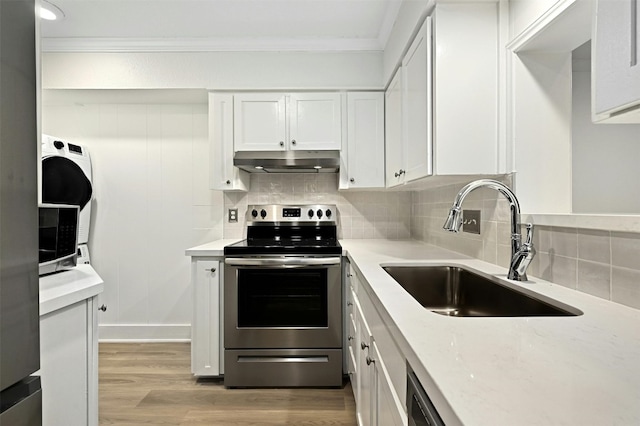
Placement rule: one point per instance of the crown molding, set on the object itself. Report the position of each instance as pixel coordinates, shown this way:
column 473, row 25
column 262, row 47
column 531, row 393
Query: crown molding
column 208, row 44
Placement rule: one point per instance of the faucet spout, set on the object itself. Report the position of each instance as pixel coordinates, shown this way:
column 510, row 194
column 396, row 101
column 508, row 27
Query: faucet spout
column 521, row 254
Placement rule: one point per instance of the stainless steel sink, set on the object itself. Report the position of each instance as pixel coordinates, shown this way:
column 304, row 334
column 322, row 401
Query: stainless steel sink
column 455, row 291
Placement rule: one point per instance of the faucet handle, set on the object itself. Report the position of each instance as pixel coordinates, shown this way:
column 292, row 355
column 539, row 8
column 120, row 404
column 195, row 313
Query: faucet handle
column 529, row 237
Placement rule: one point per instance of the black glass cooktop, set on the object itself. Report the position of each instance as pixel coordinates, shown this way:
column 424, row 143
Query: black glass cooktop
column 293, row 240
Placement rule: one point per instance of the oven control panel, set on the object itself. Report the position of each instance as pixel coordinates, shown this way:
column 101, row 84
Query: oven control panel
column 292, row 213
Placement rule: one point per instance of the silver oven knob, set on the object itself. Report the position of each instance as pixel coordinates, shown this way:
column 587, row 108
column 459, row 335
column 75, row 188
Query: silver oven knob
column 310, row 213
column 328, row 213
column 254, row 213
column 263, row 213
column 319, row 213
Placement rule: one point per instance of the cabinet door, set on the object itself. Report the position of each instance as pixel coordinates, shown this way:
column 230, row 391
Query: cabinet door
column 65, row 352
column 387, row 406
column 259, row 122
column 617, row 57
column 206, row 331
column 394, row 147
column 315, row 121
column 417, row 114
column 224, row 176
column 365, row 374
column 365, row 140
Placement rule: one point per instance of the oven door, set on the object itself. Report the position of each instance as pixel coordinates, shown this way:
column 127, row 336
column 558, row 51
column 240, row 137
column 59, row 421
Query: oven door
column 282, row 302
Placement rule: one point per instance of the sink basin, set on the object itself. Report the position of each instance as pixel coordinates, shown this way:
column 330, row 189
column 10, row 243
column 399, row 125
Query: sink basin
column 455, row 291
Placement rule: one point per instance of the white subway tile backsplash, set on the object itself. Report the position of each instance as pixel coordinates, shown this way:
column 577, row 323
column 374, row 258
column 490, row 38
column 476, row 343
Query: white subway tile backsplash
column 625, row 286
column 564, row 242
column 594, row 245
column 594, row 278
column 361, row 214
column 625, row 250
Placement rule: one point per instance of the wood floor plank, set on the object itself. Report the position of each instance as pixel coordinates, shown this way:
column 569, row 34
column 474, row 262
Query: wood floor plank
column 152, row 384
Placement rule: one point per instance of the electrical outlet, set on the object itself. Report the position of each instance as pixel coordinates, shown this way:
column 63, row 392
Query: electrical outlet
column 471, row 221
column 233, row 215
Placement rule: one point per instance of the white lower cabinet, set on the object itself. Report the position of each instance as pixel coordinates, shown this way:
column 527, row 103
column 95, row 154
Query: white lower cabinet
column 206, row 327
column 69, row 364
column 379, row 392
column 389, row 411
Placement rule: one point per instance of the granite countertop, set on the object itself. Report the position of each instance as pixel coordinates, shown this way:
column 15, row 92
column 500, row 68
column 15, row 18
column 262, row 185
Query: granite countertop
column 68, row 287
column 510, row 371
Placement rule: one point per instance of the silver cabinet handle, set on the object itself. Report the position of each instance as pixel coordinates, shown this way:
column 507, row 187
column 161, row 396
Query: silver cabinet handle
column 103, row 308
column 228, row 182
column 281, row 143
column 399, row 173
column 369, row 360
column 352, row 180
column 350, row 338
column 212, row 270
column 349, row 304
column 293, row 141
column 363, row 346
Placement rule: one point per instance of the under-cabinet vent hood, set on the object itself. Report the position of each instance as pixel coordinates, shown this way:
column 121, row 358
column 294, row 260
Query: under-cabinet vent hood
column 288, row 161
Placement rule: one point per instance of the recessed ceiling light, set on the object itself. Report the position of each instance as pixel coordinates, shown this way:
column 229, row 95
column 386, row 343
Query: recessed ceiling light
column 259, row 167
column 50, row 11
column 317, row 167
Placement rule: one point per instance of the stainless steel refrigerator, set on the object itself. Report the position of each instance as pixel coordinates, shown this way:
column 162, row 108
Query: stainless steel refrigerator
column 20, row 393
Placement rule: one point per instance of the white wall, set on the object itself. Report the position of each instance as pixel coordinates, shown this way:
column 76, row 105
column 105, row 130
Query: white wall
column 605, row 158
column 212, row 70
column 152, row 201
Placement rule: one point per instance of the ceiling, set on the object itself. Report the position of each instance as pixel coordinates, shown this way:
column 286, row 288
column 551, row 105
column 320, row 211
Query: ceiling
column 192, row 25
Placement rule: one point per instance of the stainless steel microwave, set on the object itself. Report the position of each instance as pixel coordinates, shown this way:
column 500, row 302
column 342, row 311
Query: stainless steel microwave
column 58, row 237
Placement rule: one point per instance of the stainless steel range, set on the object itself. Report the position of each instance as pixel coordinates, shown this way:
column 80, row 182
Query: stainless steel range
column 283, row 299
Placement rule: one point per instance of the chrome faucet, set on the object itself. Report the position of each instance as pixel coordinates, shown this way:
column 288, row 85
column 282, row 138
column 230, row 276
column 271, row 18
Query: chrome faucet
column 521, row 253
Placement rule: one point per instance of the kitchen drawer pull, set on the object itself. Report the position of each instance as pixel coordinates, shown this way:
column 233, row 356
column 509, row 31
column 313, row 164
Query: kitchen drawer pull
column 293, row 142
column 349, row 304
column 281, row 143
column 363, row 346
column 103, row 308
column 212, row 270
column 370, row 360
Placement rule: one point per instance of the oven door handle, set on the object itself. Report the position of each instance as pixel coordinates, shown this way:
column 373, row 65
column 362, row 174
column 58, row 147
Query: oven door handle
column 283, row 262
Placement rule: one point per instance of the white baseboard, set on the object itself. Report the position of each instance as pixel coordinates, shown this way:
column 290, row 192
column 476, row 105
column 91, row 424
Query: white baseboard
column 144, row 332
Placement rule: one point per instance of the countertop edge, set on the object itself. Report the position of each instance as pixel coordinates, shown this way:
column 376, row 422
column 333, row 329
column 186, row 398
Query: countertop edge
column 66, row 288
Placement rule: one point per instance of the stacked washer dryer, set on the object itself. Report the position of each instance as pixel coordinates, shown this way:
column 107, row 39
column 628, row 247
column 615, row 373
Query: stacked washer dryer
column 66, row 179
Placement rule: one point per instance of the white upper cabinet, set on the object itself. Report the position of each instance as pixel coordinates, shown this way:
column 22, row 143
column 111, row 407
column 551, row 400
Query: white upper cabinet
column 224, row 176
column 394, row 144
column 408, row 114
column 465, row 89
column 616, row 63
column 278, row 122
column 417, row 111
column 442, row 105
column 260, row 122
column 362, row 163
column 315, row 121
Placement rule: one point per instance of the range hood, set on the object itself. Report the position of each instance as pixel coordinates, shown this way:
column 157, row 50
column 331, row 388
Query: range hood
column 288, row 161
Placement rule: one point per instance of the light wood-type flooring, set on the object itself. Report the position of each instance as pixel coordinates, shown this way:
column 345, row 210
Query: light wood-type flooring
column 152, row 384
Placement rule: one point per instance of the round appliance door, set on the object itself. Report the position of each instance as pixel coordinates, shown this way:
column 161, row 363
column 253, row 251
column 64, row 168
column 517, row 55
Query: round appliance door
column 64, row 182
